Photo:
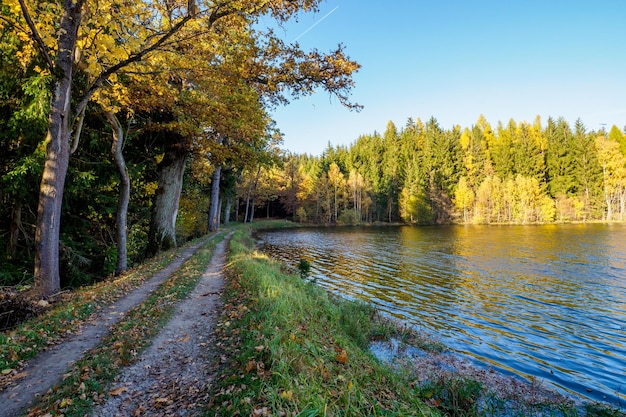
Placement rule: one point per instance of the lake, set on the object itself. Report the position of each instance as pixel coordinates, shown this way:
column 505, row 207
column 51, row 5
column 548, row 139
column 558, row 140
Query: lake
column 545, row 302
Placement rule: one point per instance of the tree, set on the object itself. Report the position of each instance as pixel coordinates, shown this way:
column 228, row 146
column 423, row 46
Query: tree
column 124, row 193
column 613, row 164
column 336, row 181
column 464, row 198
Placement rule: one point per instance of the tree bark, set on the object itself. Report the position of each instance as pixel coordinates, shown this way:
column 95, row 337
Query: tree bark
column 219, row 211
column 252, row 187
column 46, row 271
column 215, row 194
column 227, row 208
column 162, row 234
column 14, row 229
column 121, row 220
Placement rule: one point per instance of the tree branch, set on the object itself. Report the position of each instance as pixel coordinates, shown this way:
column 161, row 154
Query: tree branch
column 36, row 37
column 79, row 129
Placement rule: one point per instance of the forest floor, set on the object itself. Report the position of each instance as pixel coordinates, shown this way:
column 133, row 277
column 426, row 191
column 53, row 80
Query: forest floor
column 171, row 364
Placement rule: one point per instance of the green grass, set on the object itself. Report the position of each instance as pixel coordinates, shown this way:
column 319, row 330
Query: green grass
column 292, row 349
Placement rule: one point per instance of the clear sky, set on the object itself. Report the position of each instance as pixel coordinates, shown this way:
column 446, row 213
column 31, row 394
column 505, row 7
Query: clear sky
column 457, row 59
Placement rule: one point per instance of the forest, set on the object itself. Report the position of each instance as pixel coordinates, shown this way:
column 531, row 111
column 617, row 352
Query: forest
column 129, row 127
column 515, row 173
column 122, row 123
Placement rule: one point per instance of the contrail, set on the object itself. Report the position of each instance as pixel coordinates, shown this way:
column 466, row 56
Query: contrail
column 315, row 24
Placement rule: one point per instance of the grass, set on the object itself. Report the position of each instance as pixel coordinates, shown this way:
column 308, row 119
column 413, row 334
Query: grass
column 294, row 350
column 285, row 347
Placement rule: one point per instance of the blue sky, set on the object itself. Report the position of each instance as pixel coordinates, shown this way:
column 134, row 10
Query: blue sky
column 456, row 60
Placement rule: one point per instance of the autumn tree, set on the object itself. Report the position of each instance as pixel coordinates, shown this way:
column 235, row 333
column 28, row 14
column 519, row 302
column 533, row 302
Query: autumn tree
column 613, row 164
column 103, row 39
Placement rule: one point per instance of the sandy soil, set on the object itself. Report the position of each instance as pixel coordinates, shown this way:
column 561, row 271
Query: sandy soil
column 44, row 371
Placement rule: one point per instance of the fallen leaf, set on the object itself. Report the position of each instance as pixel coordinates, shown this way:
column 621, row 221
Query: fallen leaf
column 161, row 401
column 65, row 402
column 6, row 371
column 287, row 395
column 433, row 402
column 259, row 348
column 342, row 356
column 118, row 391
column 251, row 365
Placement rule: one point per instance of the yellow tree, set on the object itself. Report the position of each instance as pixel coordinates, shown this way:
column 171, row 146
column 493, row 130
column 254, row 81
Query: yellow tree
column 336, row 181
column 464, row 198
column 613, row 164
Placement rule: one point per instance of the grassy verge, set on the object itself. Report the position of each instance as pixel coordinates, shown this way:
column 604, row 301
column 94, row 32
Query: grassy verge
column 89, row 378
column 292, row 350
column 289, row 348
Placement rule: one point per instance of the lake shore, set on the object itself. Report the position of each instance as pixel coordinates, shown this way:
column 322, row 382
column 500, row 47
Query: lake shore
column 299, row 350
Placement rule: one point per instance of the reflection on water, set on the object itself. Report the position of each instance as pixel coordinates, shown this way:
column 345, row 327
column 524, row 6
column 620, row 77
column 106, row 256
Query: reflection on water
column 547, row 302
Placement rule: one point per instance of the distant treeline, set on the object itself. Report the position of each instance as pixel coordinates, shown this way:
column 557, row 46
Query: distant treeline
column 516, row 173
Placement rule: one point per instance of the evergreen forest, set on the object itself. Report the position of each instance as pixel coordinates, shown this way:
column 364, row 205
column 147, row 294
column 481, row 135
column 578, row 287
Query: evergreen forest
column 515, row 173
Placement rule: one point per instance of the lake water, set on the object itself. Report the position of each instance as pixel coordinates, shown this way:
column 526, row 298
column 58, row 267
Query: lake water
column 545, row 302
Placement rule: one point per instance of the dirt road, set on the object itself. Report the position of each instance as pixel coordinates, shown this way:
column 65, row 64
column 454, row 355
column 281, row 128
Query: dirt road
column 182, row 342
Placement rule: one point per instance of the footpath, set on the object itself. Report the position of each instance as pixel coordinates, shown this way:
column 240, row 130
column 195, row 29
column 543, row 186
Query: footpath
column 174, row 360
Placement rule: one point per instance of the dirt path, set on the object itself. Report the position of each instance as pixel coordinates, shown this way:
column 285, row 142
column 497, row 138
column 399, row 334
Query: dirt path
column 171, row 376
column 47, row 369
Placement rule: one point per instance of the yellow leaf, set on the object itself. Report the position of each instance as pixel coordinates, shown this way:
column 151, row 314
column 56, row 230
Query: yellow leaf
column 6, row 371
column 65, row 402
column 287, row 395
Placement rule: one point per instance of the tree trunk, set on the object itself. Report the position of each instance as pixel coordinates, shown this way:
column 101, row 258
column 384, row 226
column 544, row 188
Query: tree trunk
column 48, row 228
column 215, row 195
column 14, row 229
column 219, row 212
column 245, row 216
column 162, row 234
column 251, row 190
column 121, row 220
column 227, row 208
